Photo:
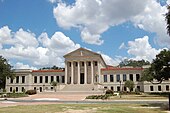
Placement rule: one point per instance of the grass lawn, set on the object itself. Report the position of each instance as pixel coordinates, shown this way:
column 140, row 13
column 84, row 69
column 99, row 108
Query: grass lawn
column 81, row 108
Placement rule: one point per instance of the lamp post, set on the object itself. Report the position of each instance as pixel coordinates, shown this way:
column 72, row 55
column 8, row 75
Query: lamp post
column 120, row 88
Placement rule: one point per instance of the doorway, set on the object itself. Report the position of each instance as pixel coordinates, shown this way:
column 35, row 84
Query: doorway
column 81, row 78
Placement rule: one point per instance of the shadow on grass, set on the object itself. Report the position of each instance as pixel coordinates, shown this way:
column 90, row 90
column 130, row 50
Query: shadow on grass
column 162, row 106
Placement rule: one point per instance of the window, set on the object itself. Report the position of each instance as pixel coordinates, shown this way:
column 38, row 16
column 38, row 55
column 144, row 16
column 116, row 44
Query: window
column 62, row 79
column 17, row 79
column 118, row 88
column 138, row 88
column 76, row 64
column 82, row 63
column 118, row 78
column 23, row 89
column 95, row 63
column 46, row 79
column 35, row 79
column 11, row 80
column 52, row 78
column 131, row 77
column 112, row 88
column 151, row 88
column 58, row 79
column 35, row 88
column 41, row 79
column 16, row 89
column 89, row 63
column 124, row 77
column 23, row 79
column 124, row 88
column 51, row 88
column 167, row 87
column 40, row 89
column 70, row 64
column 105, row 87
column 10, row 89
column 137, row 77
column 111, row 78
column 105, row 78
column 159, row 88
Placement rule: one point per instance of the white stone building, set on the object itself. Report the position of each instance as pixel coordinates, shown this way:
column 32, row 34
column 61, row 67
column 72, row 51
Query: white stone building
column 84, row 71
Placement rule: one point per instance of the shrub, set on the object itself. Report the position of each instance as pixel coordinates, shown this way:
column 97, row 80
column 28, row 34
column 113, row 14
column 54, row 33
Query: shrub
column 109, row 92
column 31, row 92
column 13, row 91
column 16, row 95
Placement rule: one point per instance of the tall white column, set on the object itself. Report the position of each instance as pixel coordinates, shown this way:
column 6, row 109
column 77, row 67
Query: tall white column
column 72, row 73
column 85, row 72
column 65, row 72
column 78, row 73
column 92, row 73
column 99, row 74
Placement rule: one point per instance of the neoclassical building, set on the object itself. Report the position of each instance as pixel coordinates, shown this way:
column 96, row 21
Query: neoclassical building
column 84, row 71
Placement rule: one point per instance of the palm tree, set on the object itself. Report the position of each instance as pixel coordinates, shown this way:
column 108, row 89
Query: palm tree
column 167, row 18
column 54, row 84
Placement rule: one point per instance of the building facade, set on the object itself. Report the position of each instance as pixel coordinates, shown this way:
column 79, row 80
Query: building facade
column 84, row 71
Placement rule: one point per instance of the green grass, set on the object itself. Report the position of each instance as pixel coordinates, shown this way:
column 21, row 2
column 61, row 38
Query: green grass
column 81, row 108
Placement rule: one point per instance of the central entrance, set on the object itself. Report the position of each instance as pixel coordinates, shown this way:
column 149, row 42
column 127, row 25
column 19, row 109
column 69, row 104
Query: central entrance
column 81, row 78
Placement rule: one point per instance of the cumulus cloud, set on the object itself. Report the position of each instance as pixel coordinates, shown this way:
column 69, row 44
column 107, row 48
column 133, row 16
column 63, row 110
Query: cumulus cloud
column 141, row 49
column 38, row 51
column 94, row 17
column 20, row 65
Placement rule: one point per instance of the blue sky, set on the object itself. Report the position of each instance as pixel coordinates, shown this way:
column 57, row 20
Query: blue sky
column 37, row 33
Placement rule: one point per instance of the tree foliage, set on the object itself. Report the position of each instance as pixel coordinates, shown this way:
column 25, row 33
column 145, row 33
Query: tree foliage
column 160, row 68
column 53, row 67
column 134, row 63
column 5, row 71
column 54, row 84
column 167, row 18
column 130, row 85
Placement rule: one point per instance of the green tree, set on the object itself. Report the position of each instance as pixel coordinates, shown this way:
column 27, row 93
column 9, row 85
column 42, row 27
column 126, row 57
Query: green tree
column 5, row 71
column 159, row 69
column 133, row 63
column 54, row 84
column 167, row 18
column 130, row 85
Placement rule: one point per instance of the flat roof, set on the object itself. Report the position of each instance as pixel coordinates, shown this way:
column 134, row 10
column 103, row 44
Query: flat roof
column 121, row 68
column 48, row 70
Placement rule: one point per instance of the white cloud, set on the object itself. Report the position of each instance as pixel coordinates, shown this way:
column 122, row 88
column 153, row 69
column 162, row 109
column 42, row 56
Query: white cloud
column 122, row 46
column 40, row 52
column 94, row 17
column 20, row 65
column 141, row 49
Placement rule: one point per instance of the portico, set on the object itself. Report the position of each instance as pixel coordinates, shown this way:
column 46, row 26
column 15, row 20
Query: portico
column 84, row 69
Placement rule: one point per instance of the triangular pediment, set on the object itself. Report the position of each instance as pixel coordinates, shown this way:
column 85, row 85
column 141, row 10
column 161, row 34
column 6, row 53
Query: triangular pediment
column 81, row 52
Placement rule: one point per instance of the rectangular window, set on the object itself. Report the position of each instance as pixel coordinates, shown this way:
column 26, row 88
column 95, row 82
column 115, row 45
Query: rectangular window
column 76, row 64
column 52, row 78
column 105, row 87
column 89, row 63
column 23, row 79
column 35, row 88
column 11, row 80
column 105, row 78
column 23, row 89
column 10, row 89
column 137, row 77
column 159, row 88
column 41, row 79
column 70, row 64
column 124, row 77
column 111, row 78
column 62, row 79
column 151, row 88
column 82, row 64
column 167, row 87
column 118, row 88
column 46, row 79
column 118, row 78
column 124, row 88
column 35, row 79
column 16, row 89
column 138, row 88
column 17, row 79
column 131, row 77
column 95, row 63
column 58, row 79
column 112, row 88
